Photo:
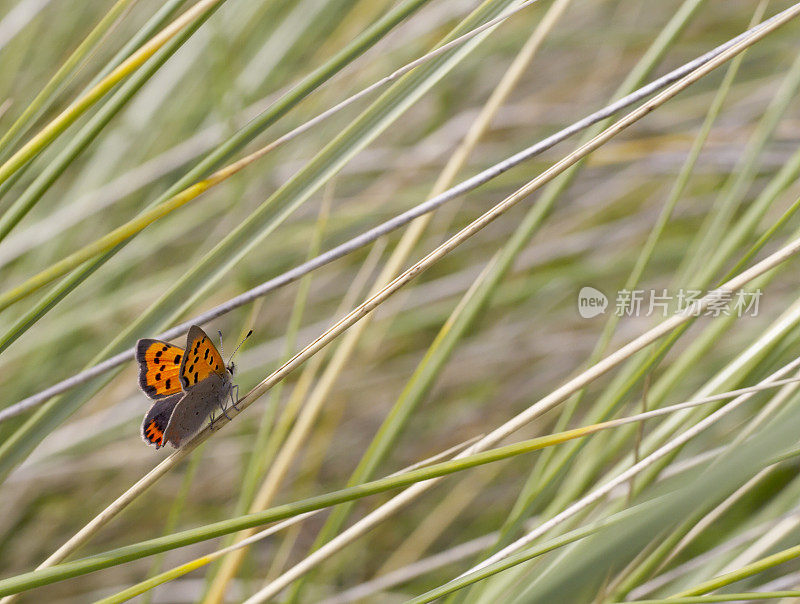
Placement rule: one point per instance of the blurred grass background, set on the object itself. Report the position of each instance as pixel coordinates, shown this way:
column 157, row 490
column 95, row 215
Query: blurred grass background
column 527, row 340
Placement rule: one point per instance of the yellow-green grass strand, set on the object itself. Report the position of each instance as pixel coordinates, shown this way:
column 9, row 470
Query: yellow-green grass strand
column 549, row 546
column 213, row 556
column 150, row 28
column 61, row 122
column 306, row 86
column 731, row 597
column 46, row 95
column 741, row 573
column 160, row 579
column 156, row 22
column 124, row 232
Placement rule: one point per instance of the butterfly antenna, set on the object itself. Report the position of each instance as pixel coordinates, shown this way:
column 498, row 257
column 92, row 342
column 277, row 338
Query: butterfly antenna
column 222, row 352
column 244, row 339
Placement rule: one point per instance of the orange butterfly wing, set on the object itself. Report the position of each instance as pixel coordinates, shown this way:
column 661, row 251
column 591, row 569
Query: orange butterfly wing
column 159, row 367
column 201, row 359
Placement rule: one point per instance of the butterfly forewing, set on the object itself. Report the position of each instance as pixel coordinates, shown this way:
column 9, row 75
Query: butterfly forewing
column 159, row 367
column 201, row 359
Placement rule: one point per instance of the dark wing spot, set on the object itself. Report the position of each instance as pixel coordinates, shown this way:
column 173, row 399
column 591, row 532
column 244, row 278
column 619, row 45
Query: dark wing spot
column 158, row 356
column 158, row 377
column 166, row 385
column 205, row 356
column 162, row 368
column 177, row 359
column 216, row 366
column 165, row 347
column 191, row 368
column 195, row 376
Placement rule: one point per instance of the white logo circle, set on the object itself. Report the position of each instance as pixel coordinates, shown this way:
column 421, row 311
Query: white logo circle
column 591, row 302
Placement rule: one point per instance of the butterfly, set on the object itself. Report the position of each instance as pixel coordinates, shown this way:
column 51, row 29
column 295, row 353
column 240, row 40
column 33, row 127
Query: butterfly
column 187, row 386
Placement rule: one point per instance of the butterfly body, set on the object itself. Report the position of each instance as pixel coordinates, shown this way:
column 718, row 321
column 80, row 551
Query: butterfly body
column 197, row 404
column 187, row 385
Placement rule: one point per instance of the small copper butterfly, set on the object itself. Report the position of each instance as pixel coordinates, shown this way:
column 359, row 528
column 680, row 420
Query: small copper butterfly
column 187, row 386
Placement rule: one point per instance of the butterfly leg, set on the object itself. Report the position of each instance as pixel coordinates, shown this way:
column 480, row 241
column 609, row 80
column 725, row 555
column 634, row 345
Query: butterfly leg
column 211, row 419
column 235, row 397
column 224, row 411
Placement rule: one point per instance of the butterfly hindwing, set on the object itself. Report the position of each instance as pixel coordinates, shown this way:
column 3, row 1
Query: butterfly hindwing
column 157, row 419
column 201, row 359
column 159, row 367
